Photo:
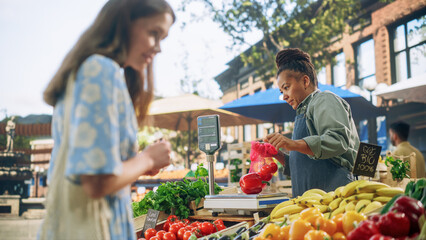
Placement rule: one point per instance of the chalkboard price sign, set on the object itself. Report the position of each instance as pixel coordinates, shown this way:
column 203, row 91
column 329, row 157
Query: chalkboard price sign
column 150, row 220
column 367, row 159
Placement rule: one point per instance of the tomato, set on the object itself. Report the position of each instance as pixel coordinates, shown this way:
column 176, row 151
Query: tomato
column 174, row 228
column 266, row 169
column 186, row 235
column 181, row 224
column 207, row 228
column 274, row 167
column 155, row 238
column 180, row 233
column 218, row 221
column 160, row 234
column 195, row 224
column 149, row 233
column 172, row 218
column 185, row 221
column 265, row 176
column 166, row 226
column 169, row 236
column 220, row 227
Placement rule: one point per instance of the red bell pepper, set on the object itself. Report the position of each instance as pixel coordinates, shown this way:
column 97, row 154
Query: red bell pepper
column 412, row 208
column 251, row 183
column 364, row 231
column 394, row 224
column 379, row 236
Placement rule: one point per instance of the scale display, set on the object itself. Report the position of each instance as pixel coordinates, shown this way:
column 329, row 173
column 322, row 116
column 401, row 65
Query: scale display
column 208, row 133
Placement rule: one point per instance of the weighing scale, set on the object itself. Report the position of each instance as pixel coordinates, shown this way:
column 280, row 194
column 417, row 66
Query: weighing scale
column 237, row 204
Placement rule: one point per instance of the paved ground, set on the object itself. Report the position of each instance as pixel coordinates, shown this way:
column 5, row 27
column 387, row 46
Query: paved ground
column 19, row 228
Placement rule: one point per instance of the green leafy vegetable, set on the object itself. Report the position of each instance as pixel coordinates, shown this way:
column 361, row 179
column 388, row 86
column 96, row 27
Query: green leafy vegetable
column 176, row 196
column 399, row 168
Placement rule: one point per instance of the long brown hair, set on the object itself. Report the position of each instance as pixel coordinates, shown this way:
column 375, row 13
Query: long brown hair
column 109, row 35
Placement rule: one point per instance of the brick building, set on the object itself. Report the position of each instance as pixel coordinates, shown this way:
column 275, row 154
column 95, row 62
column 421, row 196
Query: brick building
column 388, row 48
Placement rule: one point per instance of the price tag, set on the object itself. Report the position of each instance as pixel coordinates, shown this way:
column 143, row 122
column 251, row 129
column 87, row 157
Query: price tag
column 150, row 220
column 367, row 159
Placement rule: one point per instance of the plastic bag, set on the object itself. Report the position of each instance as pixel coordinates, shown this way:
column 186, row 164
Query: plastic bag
column 261, row 156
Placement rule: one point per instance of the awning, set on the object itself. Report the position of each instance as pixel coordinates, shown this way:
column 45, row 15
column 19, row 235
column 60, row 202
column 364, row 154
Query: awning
column 267, row 105
column 412, row 90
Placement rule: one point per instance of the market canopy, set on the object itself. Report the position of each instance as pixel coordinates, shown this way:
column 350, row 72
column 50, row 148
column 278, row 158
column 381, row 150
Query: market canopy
column 412, row 90
column 178, row 113
column 267, row 105
column 181, row 112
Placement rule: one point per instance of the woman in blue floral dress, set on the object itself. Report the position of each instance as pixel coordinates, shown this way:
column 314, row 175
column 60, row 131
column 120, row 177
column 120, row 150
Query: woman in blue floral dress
column 107, row 105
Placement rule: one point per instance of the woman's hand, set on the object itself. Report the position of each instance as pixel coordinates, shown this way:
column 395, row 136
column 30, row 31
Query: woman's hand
column 156, row 156
column 279, row 141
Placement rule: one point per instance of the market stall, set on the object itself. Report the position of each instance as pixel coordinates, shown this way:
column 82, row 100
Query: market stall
column 363, row 209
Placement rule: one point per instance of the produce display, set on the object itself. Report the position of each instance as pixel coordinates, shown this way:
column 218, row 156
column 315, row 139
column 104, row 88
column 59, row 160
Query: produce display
column 360, row 196
column 182, row 229
column 176, row 196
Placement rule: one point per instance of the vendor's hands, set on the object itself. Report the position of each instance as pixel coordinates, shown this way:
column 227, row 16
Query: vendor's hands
column 156, row 156
column 279, row 141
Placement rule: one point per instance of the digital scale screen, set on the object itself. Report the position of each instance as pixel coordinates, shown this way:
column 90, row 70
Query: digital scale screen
column 208, row 133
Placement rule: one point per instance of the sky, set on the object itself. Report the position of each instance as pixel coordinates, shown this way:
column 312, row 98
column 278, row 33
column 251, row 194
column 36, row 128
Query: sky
column 36, row 36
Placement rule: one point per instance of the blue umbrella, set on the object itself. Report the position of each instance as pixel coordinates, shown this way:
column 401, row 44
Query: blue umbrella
column 267, row 105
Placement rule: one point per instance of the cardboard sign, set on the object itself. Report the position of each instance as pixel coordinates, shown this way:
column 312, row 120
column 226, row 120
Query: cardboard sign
column 150, row 220
column 367, row 159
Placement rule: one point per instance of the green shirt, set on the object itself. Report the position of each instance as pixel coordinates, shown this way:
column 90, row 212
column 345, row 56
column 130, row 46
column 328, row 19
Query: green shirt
column 333, row 133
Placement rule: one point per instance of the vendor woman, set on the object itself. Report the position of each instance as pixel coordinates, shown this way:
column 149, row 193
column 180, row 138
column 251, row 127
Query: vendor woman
column 325, row 141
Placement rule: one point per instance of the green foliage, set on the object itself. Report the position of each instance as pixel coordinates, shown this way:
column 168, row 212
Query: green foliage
column 200, row 172
column 175, row 196
column 399, row 168
column 306, row 24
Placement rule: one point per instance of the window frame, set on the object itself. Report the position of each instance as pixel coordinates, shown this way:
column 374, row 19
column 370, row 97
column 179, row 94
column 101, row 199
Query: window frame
column 334, row 64
column 355, row 47
column 391, row 30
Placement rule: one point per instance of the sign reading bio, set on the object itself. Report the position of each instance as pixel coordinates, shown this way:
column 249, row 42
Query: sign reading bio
column 367, row 159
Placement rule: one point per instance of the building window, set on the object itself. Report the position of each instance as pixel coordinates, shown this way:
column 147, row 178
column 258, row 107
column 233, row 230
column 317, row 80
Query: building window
column 339, row 71
column 409, row 49
column 365, row 65
column 257, row 90
column 268, row 85
column 322, row 78
column 244, row 83
column 247, row 133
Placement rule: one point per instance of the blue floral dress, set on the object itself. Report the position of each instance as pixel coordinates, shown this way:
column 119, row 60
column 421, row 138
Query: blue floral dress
column 103, row 132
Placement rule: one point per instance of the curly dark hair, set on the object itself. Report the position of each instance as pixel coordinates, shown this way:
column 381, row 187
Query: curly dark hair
column 298, row 61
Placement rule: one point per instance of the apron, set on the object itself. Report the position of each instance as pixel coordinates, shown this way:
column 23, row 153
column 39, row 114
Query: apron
column 307, row 173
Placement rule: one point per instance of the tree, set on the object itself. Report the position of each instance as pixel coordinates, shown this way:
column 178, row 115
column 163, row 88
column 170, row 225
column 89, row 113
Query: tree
column 305, row 24
column 178, row 141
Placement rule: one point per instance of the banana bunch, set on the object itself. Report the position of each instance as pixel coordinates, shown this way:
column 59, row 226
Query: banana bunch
column 361, row 196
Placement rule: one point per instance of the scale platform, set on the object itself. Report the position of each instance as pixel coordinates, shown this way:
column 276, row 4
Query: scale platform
column 243, row 204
